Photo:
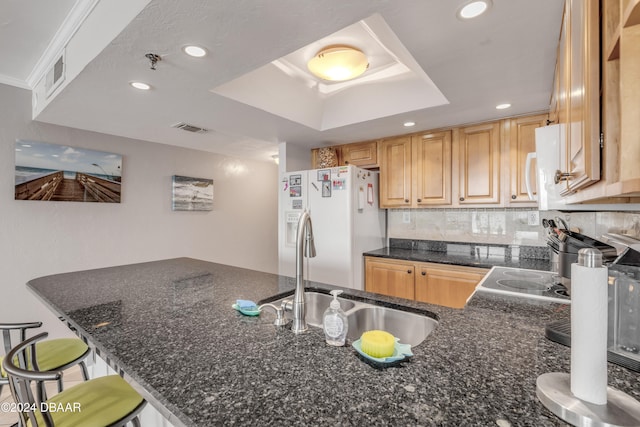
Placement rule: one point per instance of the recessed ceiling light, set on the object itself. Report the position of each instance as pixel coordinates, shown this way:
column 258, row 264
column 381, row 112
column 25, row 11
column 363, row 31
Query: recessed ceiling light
column 409, row 124
column 195, row 51
column 140, row 85
column 338, row 63
column 502, row 106
column 473, row 9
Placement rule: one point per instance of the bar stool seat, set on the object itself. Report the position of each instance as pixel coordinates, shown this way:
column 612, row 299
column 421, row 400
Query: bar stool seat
column 103, row 401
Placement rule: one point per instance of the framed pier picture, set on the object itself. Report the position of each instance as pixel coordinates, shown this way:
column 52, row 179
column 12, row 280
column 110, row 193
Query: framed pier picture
column 192, row 194
column 66, row 174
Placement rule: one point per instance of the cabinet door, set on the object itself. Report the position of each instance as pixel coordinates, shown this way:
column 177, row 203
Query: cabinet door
column 445, row 286
column 479, row 164
column 363, row 154
column 388, row 277
column 395, row 172
column 583, row 93
column 432, row 169
column 522, row 140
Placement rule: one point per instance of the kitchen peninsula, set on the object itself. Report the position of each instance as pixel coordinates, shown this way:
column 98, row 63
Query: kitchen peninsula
column 169, row 326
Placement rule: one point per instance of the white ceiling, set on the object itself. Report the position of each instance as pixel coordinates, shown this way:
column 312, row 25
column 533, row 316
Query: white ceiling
column 506, row 55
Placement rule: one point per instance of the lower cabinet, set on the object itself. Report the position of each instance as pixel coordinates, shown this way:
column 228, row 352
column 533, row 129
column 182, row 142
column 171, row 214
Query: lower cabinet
column 441, row 284
column 389, row 277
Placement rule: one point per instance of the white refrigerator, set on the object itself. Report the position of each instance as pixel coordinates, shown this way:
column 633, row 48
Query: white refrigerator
column 346, row 221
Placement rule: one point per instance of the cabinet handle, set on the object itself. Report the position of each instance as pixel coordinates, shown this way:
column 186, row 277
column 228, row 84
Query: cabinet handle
column 406, row 200
column 409, row 271
column 424, row 273
column 462, row 199
column 562, row 176
column 513, row 197
column 346, row 162
column 419, row 200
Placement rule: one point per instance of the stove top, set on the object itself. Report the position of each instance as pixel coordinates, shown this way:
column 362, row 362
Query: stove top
column 532, row 284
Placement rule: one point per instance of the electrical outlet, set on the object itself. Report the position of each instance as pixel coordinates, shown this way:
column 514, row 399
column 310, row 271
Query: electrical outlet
column 533, row 218
column 406, row 217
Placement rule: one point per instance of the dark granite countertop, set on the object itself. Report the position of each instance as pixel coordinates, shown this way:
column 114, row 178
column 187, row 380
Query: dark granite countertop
column 172, row 330
column 466, row 254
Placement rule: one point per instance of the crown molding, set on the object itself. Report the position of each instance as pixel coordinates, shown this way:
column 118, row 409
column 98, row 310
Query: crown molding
column 12, row 81
column 79, row 12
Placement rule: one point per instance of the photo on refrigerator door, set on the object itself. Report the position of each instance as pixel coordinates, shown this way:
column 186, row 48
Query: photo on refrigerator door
column 324, row 175
column 192, row 194
column 61, row 173
column 326, row 188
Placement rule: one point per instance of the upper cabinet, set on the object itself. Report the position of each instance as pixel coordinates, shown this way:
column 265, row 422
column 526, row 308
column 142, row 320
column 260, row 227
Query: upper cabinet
column 364, row 154
column 521, row 134
column 415, row 171
column 361, row 154
column 479, row 164
column 483, row 165
column 432, row 169
column 578, row 71
column 619, row 93
column 395, row 173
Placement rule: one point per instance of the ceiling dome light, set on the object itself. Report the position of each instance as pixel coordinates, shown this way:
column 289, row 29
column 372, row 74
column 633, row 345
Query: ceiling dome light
column 409, row 124
column 195, row 51
column 140, row 85
column 473, row 9
column 502, row 106
column 338, row 63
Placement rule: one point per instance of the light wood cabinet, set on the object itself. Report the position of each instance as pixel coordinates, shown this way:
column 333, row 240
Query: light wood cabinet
column 361, row 154
column 440, row 284
column 389, row 277
column 620, row 91
column 364, row 154
column 473, row 166
column 431, row 169
column 446, row 285
column 522, row 141
column 479, row 164
column 579, row 93
column 395, row 172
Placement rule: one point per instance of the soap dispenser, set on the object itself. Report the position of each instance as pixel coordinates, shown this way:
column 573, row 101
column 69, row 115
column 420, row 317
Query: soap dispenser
column 334, row 322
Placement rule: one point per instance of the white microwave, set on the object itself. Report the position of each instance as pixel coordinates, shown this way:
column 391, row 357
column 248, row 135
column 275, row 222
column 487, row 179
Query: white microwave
column 550, row 157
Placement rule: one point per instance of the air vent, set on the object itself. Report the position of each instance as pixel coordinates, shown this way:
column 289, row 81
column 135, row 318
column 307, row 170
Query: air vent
column 190, row 128
column 55, row 75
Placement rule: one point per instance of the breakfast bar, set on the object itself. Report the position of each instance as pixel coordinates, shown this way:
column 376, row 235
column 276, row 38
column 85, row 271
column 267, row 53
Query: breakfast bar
column 169, row 328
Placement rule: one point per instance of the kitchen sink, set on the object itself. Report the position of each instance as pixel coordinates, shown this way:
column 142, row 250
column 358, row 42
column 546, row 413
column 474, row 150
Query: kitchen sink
column 410, row 327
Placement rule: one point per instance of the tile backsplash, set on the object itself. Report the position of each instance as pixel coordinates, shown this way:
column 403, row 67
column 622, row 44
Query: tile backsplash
column 503, row 226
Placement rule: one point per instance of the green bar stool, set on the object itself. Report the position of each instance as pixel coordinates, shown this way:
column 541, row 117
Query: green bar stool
column 53, row 355
column 100, row 402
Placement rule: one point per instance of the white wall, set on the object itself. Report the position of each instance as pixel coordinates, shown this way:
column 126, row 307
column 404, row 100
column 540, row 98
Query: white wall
column 42, row 238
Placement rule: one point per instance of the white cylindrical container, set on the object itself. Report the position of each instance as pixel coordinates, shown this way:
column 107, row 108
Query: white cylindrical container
column 589, row 327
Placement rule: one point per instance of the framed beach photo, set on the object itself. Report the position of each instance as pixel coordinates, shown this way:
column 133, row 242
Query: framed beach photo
column 192, row 194
column 62, row 173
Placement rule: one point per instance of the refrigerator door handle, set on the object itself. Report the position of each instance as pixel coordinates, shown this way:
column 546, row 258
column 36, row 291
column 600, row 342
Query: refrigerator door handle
column 527, row 176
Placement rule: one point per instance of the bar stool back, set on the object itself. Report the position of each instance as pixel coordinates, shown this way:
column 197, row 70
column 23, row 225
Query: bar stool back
column 100, row 402
column 53, row 355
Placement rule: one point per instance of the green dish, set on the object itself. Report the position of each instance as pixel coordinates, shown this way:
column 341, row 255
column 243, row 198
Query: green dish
column 400, row 352
column 246, row 312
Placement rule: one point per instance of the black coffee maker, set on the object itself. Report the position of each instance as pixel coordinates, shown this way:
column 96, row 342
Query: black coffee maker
column 569, row 243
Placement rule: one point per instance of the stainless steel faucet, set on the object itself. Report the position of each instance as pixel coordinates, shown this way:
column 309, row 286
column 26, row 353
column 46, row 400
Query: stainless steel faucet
column 304, row 247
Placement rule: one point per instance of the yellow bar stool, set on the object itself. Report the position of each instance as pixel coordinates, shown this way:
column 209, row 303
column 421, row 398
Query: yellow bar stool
column 100, row 402
column 53, row 355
